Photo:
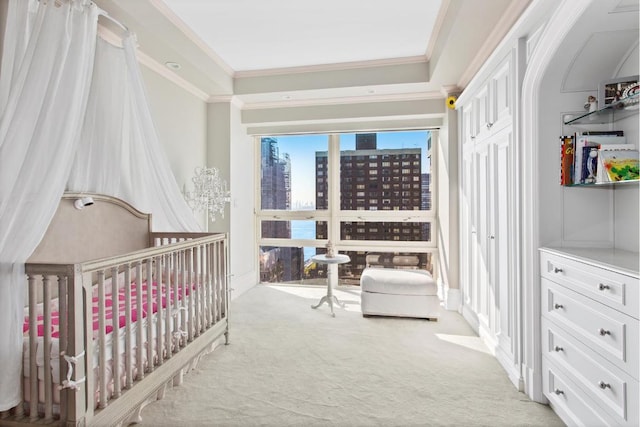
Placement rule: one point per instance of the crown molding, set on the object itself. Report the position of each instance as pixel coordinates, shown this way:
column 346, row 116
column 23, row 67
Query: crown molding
column 437, row 28
column 191, row 35
column 231, row 99
column 397, row 97
column 154, row 65
column 331, row 67
column 504, row 25
column 447, row 90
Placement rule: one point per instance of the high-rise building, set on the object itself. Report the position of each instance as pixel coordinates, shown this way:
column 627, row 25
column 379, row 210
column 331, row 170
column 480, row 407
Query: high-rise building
column 277, row 264
column 374, row 179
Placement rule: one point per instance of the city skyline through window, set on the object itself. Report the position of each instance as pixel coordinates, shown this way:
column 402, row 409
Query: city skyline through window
column 375, row 176
column 301, row 150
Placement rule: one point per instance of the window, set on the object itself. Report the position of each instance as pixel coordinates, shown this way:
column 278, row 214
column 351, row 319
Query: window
column 330, row 181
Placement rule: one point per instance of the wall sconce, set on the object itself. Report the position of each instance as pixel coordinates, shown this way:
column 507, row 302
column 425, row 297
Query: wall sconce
column 82, row 202
column 210, row 192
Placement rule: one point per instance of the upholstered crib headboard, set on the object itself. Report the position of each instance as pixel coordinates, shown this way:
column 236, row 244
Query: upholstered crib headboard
column 108, row 227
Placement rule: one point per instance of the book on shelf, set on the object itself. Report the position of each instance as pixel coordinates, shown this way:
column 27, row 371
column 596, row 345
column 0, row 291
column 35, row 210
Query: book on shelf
column 620, row 164
column 566, row 160
column 591, row 140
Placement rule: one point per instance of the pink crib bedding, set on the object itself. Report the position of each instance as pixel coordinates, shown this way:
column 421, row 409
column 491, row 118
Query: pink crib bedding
column 109, row 297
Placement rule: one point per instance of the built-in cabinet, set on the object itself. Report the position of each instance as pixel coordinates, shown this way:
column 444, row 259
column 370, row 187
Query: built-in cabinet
column 588, row 235
column 590, row 329
column 563, row 320
column 488, row 214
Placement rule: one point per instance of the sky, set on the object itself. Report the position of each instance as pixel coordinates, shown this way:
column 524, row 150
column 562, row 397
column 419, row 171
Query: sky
column 302, row 149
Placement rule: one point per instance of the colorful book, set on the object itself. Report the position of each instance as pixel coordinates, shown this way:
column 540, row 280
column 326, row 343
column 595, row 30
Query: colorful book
column 566, row 160
column 590, row 154
column 618, row 165
column 582, row 140
column 589, row 163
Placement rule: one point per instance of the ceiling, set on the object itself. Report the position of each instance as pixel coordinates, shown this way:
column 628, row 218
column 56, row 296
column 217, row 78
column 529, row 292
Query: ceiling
column 258, row 35
column 290, row 53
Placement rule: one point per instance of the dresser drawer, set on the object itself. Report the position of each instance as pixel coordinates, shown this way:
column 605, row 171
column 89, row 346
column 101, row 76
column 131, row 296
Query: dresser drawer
column 608, row 287
column 568, row 401
column 607, row 331
column 615, row 391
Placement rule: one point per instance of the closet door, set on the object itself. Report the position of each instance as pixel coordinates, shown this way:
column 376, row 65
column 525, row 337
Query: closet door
column 483, row 194
column 501, row 249
column 468, row 245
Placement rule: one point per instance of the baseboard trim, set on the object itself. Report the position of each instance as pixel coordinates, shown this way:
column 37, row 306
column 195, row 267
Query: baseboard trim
column 453, row 300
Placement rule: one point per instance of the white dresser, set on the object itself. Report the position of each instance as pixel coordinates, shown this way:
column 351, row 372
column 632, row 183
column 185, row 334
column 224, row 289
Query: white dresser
column 590, row 335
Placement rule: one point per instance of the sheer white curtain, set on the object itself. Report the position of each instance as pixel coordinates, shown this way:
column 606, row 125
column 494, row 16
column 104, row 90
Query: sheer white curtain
column 46, row 73
column 120, row 153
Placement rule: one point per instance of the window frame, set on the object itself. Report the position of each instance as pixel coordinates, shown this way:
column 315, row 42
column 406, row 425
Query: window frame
column 334, row 215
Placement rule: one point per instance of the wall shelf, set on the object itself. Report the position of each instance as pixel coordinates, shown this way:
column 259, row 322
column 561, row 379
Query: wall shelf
column 605, row 184
column 612, row 112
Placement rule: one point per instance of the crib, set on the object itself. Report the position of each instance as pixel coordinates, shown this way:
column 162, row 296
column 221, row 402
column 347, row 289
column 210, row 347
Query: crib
column 115, row 314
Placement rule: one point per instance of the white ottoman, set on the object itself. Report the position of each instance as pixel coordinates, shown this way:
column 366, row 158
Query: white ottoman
column 401, row 293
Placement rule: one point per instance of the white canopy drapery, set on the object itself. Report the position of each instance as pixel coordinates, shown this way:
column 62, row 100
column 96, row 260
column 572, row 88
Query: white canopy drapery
column 120, row 153
column 68, row 120
column 46, row 74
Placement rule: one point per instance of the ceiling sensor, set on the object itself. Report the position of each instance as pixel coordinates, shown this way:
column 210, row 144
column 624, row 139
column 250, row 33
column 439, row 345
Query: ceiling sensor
column 173, row 65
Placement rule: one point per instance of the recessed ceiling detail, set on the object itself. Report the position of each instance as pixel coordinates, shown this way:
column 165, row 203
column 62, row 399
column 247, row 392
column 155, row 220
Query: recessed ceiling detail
column 258, row 35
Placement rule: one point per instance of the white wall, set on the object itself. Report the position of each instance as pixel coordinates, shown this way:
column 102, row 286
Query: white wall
column 447, row 209
column 244, row 252
column 180, row 121
column 230, row 149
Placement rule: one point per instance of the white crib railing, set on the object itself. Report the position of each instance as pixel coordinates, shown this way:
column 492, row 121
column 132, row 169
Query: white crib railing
column 168, row 304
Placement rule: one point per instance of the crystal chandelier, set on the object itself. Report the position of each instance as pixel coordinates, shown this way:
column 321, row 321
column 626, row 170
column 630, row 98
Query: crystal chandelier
column 209, row 193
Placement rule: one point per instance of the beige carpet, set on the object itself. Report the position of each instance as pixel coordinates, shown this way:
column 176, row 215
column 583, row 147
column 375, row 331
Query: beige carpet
column 289, row 365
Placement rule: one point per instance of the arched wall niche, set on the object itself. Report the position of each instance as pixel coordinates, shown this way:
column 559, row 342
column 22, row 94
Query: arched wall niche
column 556, row 82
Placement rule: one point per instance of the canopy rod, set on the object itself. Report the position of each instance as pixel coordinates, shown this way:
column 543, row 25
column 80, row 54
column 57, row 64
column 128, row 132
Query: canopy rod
column 114, row 20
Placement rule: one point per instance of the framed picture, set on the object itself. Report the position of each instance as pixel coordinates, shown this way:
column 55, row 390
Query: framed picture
column 611, row 91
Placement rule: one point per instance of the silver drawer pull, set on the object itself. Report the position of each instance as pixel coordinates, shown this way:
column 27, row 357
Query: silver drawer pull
column 604, row 332
column 603, row 287
column 557, row 306
column 558, row 391
column 557, row 270
column 558, row 348
column 604, row 385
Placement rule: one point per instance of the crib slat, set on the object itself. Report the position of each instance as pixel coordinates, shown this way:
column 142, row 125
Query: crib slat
column 159, row 312
column 197, row 291
column 128, row 347
column 177, row 302
column 169, row 305
column 212, row 281
column 62, row 334
column 115, row 323
column 33, row 350
column 216, row 281
column 48, row 380
column 102, row 341
column 140, row 324
column 205, row 289
column 185, row 302
column 149, row 315
column 192, row 291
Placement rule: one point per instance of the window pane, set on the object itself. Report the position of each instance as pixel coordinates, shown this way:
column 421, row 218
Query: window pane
column 394, row 231
column 295, row 229
column 394, row 167
column 290, row 177
column 279, row 264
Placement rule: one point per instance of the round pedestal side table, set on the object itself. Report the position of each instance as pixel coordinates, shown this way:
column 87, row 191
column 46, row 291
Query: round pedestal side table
column 330, row 298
